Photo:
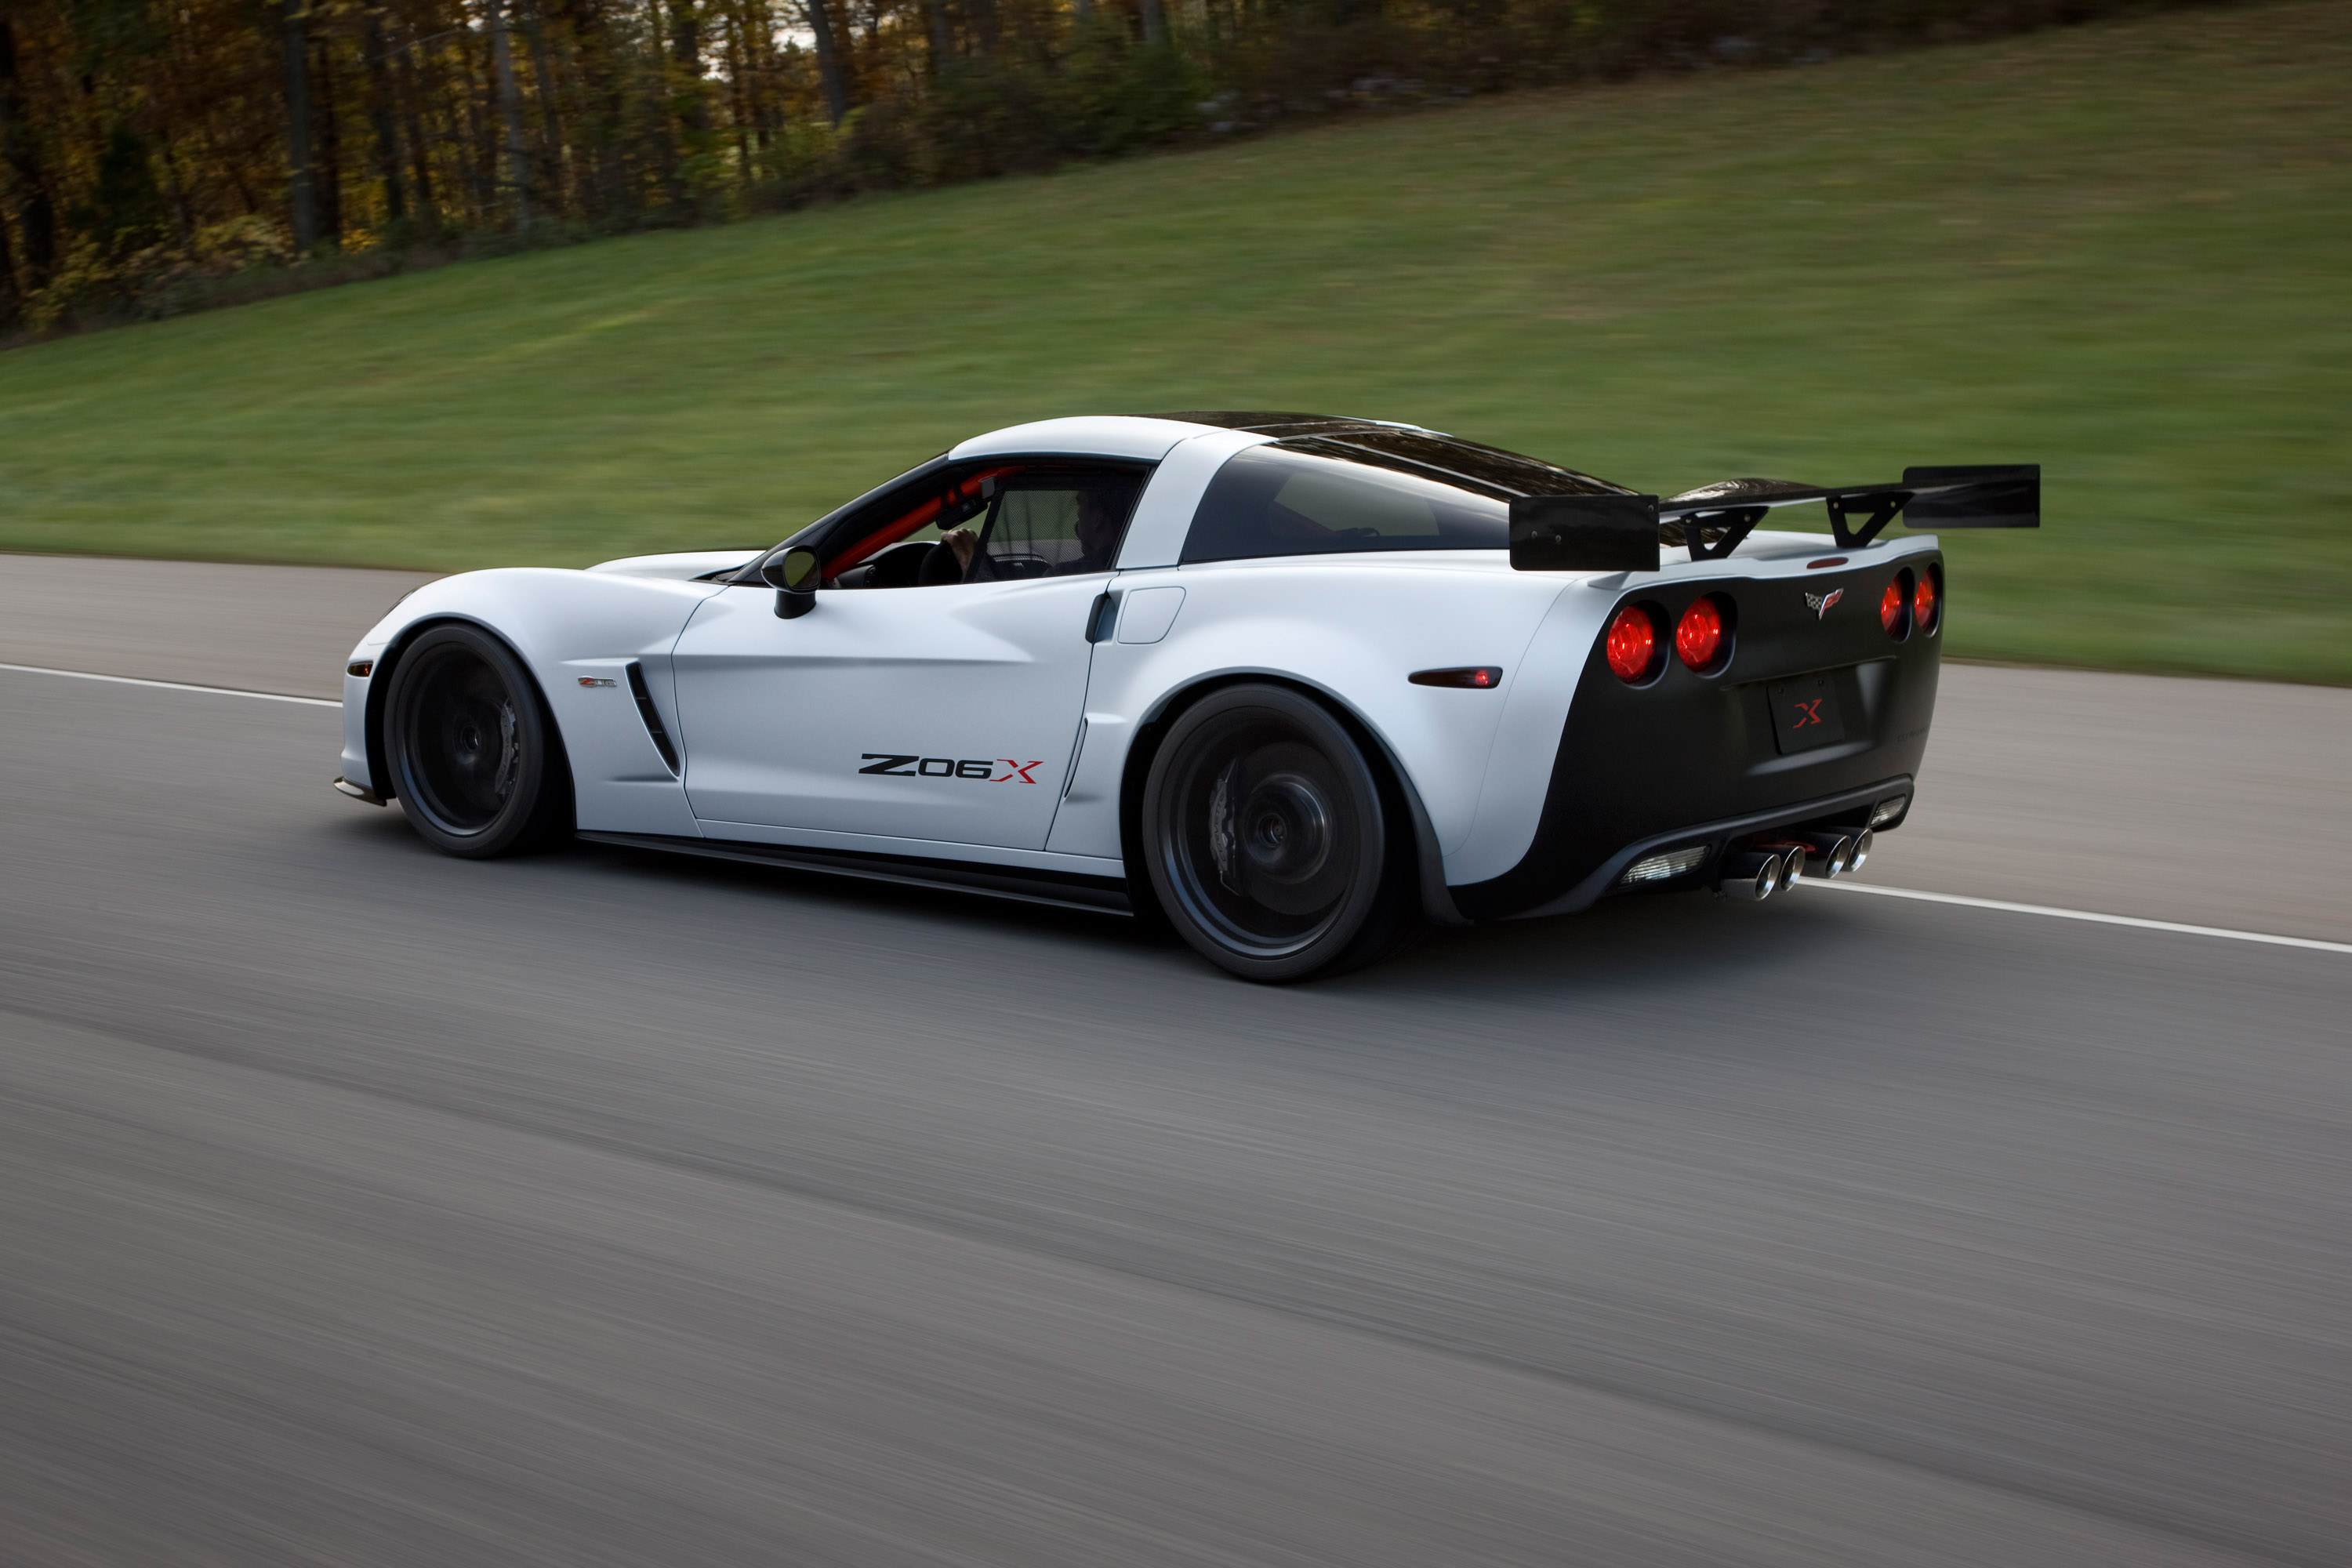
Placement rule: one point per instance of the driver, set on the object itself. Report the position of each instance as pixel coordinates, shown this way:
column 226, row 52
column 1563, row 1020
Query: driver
column 1098, row 530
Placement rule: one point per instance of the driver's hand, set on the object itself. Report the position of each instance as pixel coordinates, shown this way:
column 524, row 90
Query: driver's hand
column 964, row 542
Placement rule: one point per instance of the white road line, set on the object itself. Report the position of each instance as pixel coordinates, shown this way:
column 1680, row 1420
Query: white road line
column 173, row 686
column 1844, row 886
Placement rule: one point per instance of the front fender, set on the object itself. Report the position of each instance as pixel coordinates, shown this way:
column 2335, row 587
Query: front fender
column 567, row 628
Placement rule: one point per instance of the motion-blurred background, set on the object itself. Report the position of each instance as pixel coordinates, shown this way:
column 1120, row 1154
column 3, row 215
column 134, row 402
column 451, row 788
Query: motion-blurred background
column 1697, row 240
column 360, row 1206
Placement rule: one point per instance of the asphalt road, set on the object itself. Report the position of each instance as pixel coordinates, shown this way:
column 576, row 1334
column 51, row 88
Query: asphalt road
column 362, row 1205
column 2223, row 803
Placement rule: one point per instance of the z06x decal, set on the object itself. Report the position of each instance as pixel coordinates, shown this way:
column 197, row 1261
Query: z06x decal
column 907, row 766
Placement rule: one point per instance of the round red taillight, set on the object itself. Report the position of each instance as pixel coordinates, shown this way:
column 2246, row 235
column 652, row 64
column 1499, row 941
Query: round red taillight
column 1699, row 636
column 1891, row 607
column 1632, row 644
column 1923, row 603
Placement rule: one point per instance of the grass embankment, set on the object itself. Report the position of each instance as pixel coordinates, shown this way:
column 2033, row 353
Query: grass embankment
column 2124, row 250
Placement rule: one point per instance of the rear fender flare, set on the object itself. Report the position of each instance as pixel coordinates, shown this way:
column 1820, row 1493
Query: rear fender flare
column 1397, row 789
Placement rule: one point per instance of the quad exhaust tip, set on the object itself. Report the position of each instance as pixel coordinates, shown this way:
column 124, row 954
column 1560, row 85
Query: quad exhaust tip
column 1827, row 855
column 1766, row 866
column 1756, row 875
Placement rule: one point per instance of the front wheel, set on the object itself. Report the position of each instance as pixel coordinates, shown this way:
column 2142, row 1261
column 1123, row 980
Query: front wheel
column 475, row 759
column 1268, row 842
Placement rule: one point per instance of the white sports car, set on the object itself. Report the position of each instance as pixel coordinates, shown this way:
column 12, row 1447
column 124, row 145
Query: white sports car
column 1299, row 685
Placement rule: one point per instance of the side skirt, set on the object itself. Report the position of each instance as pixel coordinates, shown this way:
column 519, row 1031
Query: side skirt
column 1097, row 895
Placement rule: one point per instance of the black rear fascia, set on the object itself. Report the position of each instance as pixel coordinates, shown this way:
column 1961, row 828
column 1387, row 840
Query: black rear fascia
column 1675, row 757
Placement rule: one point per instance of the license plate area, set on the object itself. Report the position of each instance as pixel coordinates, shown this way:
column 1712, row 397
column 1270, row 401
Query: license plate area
column 1807, row 712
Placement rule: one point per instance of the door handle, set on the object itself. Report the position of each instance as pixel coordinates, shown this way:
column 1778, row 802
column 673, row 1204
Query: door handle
column 1103, row 618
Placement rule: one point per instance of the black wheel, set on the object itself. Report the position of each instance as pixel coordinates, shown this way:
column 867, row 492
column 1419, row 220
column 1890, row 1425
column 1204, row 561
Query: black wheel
column 1268, row 842
column 475, row 759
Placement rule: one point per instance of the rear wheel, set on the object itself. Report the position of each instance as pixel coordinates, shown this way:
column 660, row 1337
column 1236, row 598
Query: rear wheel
column 474, row 758
column 1268, row 841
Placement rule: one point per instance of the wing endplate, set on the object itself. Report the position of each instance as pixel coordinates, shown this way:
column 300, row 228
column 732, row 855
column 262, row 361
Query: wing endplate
column 1584, row 533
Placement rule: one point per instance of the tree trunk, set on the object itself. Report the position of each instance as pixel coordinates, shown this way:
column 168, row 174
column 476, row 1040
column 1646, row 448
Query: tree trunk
column 828, row 57
column 36, row 217
column 604, row 69
column 11, row 304
column 665, row 136
column 935, row 12
column 1155, row 23
column 420, row 151
column 739, row 100
column 387, row 139
column 326, row 177
column 686, row 80
column 480, row 142
column 511, row 116
column 300, row 200
column 175, row 186
column 556, row 153
column 16, row 154
column 759, row 65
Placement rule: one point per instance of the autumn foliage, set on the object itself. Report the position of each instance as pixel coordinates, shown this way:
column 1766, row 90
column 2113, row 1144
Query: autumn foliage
column 156, row 157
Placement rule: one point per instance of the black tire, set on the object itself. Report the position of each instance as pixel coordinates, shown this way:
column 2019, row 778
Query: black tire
column 1267, row 840
column 474, row 758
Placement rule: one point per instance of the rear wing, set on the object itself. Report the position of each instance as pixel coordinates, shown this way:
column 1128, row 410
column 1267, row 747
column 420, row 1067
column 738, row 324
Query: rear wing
column 1624, row 534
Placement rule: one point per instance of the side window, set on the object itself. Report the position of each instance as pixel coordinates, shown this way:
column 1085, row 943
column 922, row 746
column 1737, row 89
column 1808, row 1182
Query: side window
column 1274, row 501
column 996, row 522
column 1045, row 523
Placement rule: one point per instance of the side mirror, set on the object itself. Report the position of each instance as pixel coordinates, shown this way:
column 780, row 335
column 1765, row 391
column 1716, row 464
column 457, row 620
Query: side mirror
column 794, row 575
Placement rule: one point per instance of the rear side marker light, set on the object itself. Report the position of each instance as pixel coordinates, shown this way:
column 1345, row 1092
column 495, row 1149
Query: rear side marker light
column 1474, row 678
column 1633, row 645
column 1663, row 868
column 1700, row 640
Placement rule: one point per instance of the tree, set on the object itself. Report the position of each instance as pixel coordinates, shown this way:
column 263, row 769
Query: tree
column 509, row 114
column 302, row 198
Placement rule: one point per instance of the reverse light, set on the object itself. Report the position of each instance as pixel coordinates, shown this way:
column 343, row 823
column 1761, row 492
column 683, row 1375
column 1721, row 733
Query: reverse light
column 1889, row 810
column 1925, row 603
column 1699, row 640
column 1663, row 868
column 1633, row 645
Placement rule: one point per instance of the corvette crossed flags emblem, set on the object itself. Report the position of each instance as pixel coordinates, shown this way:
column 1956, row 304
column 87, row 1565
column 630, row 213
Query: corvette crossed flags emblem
column 1820, row 603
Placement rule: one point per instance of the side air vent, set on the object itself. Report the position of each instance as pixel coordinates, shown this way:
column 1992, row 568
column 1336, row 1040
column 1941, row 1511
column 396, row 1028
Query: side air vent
column 651, row 715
